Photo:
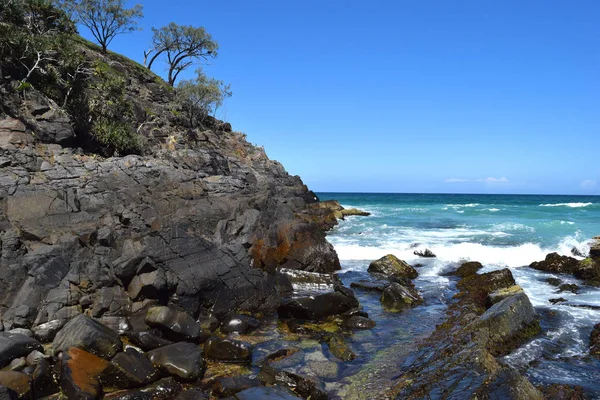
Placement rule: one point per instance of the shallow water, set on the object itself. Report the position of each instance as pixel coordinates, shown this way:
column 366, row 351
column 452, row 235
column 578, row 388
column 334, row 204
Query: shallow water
column 497, row 230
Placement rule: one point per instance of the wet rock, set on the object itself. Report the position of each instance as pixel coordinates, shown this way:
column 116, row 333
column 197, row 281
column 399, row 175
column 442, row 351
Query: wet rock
column 228, row 350
column 397, row 297
column 164, row 389
column 556, row 263
column 424, row 253
column 307, row 387
column 568, row 287
column 90, row 335
column 391, row 265
column 557, row 300
column 8, row 394
column 270, row 351
column 357, row 322
column 148, row 285
column 369, row 286
column 576, row 252
column 477, row 287
column 228, row 386
column 467, row 269
column 16, row 365
column 18, row 382
column 80, row 373
column 148, row 340
column 22, row 331
column 129, row 369
column 240, row 324
column 595, row 247
column 176, row 325
column 595, row 341
column 346, row 212
column 319, row 306
column 13, row 345
column 121, row 325
column 191, row 394
column 339, row 348
column 266, row 393
column 182, row 360
column 589, row 270
column 209, row 324
column 43, row 383
column 509, row 385
column 35, row 357
column 563, row 392
column 47, row 331
column 501, row 294
column 508, row 324
column 554, row 281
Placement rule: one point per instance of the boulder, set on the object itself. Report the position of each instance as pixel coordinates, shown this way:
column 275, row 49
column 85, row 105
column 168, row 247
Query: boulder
column 228, row 350
column 477, row 287
column 43, row 383
column 319, row 306
column 14, row 345
column 229, row 386
column 501, row 294
column 391, row 265
column 148, row 285
column 589, row 270
column 182, row 360
column 467, row 269
column 80, row 373
column 557, row 264
column 507, row 324
column 553, row 281
column 568, row 287
column 18, row 382
column 47, row 331
column 356, row 323
column 90, row 335
column 240, row 324
column 176, row 325
column 149, row 340
column 397, row 297
column 424, row 253
column 129, row 369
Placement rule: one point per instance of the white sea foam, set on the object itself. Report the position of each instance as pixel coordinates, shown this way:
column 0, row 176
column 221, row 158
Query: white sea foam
column 572, row 205
column 493, row 209
column 567, row 222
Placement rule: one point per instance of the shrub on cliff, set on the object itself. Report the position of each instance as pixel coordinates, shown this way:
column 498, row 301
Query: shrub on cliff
column 201, row 97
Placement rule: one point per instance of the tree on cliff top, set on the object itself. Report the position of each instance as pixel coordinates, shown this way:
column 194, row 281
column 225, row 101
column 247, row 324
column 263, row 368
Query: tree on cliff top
column 104, row 18
column 183, row 47
column 201, row 97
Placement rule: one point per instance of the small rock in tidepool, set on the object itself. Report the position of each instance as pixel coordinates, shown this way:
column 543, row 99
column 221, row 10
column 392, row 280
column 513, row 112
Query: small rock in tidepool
column 467, row 269
column 397, row 297
column 176, row 325
column 267, row 393
column 90, row 335
column 568, row 287
column 129, row 369
column 307, row 387
column 228, row 350
column 228, row 386
column 553, row 281
column 16, row 381
column 14, row 345
column 557, row 300
column 424, row 253
column 339, row 347
column 390, row 265
column 149, row 340
column 271, row 350
column 595, row 341
column 183, row 360
column 240, row 324
column 357, row 322
column 80, row 373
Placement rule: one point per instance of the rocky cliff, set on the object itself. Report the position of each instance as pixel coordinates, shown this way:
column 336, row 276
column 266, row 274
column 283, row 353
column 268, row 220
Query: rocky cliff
column 201, row 220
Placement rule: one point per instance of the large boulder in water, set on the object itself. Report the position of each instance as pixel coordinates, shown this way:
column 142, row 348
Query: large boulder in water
column 554, row 262
column 397, row 297
column 595, row 341
column 392, row 265
column 319, row 306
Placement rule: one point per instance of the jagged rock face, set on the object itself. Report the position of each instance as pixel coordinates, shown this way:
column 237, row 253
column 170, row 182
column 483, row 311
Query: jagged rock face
column 202, row 228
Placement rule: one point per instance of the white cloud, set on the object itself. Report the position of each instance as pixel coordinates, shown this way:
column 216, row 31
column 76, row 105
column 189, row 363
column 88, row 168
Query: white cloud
column 496, row 180
column 588, row 183
column 455, row 180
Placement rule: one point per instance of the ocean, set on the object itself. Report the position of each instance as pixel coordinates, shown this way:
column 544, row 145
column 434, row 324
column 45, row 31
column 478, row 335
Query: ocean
column 499, row 231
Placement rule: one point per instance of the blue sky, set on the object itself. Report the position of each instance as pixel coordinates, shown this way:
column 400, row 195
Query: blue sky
column 442, row 96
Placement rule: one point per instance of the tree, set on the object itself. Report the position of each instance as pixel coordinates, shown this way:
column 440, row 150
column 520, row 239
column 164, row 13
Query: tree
column 104, row 18
column 201, row 97
column 182, row 45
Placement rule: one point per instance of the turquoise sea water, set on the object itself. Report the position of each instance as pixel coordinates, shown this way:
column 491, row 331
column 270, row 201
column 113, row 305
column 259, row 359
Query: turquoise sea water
column 499, row 231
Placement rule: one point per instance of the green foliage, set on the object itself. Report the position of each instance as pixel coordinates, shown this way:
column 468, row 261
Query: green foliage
column 109, row 111
column 201, row 97
column 104, row 18
column 181, row 46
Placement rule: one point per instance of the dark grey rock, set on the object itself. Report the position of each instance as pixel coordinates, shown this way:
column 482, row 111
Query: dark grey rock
column 357, row 322
column 148, row 340
column 182, row 360
column 397, row 297
column 319, row 306
column 129, row 369
column 13, row 345
column 176, row 325
column 229, row 386
column 240, row 324
column 266, row 393
column 228, row 350
column 392, row 265
column 90, row 335
column 47, row 331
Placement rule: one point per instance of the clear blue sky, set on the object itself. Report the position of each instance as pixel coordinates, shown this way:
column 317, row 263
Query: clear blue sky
column 409, row 95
